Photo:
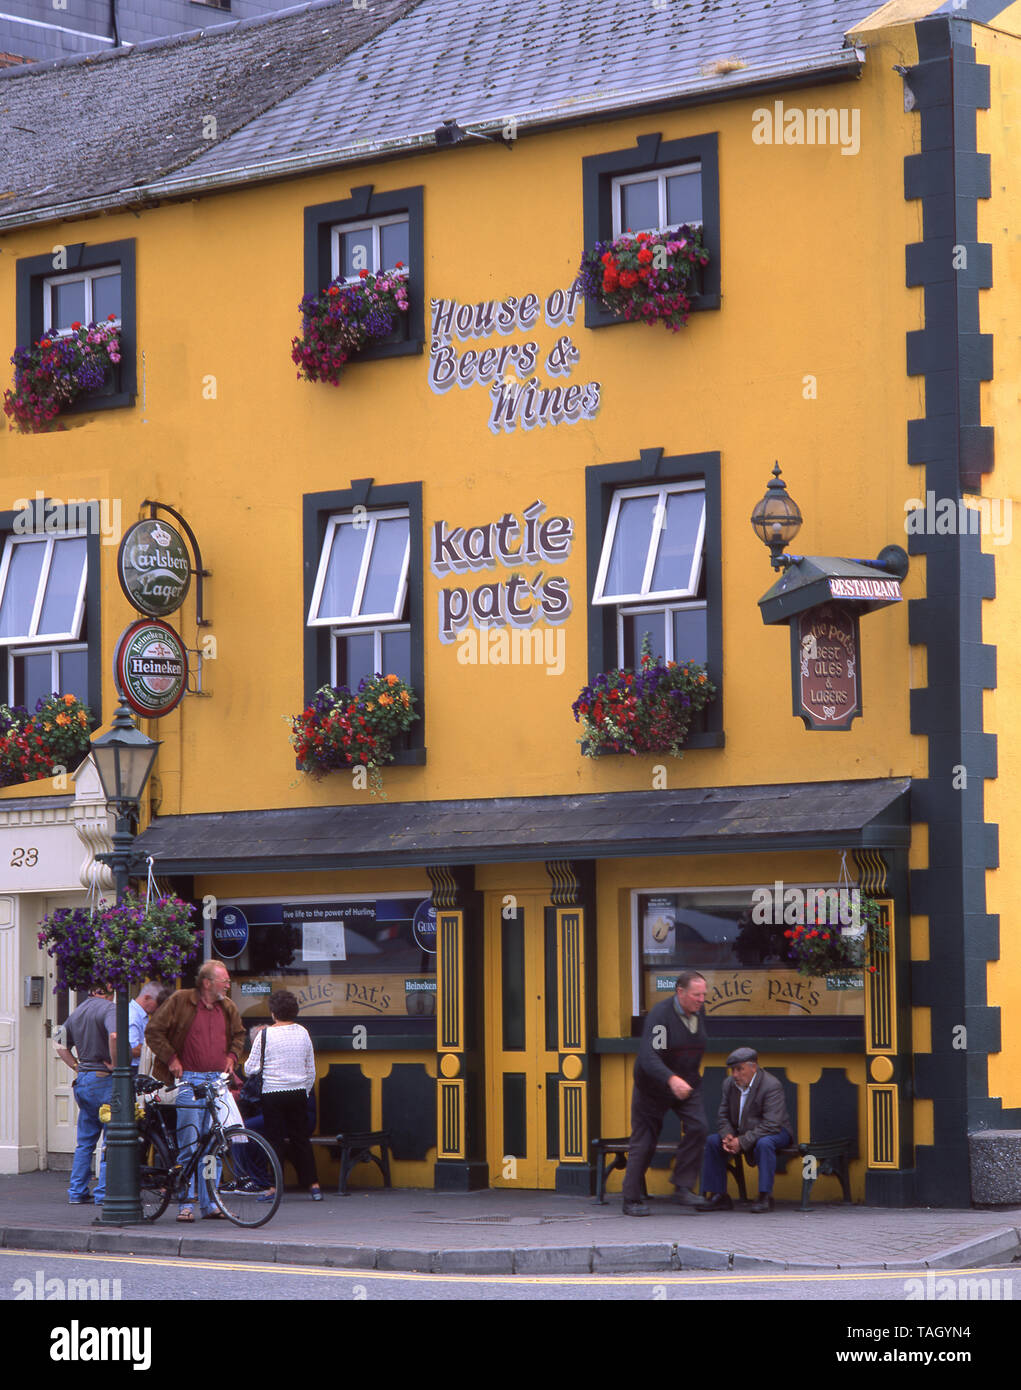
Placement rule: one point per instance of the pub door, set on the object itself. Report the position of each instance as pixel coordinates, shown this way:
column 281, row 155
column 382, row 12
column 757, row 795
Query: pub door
column 521, row 1069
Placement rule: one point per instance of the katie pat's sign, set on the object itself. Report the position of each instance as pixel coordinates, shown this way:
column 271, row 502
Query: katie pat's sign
column 150, row 667
column 154, row 568
column 512, row 543
column 518, row 394
column 768, row 993
column 826, row 676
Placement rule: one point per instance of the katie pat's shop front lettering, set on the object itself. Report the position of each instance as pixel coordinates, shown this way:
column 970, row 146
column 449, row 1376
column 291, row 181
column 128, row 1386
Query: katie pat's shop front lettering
column 525, row 402
column 510, row 542
column 740, row 990
column 373, row 997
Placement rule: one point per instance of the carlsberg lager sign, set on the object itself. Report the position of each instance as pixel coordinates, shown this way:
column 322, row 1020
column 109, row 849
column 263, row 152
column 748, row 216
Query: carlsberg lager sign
column 154, row 568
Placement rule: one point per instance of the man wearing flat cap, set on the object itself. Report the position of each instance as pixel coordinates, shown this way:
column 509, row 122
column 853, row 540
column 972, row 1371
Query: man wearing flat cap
column 752, row 1121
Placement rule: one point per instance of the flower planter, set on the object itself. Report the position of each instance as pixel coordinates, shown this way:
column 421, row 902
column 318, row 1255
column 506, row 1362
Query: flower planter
column 645, row 711
column 344, row 319
column 60, row 374
column 33, row 745
column 341, row 729
column 650, row 278
column 120, row 944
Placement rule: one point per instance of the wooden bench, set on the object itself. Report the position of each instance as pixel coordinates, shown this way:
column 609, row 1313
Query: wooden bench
column 832, row 1158
column 353, row 1149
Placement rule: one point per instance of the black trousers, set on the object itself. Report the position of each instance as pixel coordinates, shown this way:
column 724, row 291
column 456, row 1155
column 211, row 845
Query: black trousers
column 285, row 1114
column 647, row 1116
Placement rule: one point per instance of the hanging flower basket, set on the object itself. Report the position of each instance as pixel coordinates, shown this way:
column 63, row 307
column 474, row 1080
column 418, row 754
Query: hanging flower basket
column 645, row 711
column 120, row 944
column 57, row 371
column 649, row 277
column 818, row 948
column 33, row 746
column 339, row 729
column 344, row 319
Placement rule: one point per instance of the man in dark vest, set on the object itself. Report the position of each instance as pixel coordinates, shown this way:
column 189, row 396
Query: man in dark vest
column 668, row 1077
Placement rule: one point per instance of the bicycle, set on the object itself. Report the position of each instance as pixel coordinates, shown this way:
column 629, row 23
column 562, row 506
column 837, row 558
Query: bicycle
column 223, row 1154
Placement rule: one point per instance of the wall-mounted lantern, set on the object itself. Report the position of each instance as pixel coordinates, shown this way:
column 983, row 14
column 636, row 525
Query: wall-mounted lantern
column 822, row 597
column 776, row 519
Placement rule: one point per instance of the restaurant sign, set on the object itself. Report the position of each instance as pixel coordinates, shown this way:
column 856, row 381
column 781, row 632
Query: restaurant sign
column 150, row 667
column 154, row 568
column 865, row 590
column 826, row 667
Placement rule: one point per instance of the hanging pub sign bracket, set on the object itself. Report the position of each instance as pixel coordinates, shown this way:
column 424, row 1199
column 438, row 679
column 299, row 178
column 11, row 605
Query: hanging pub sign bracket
column 822, row 598
column 197, row 570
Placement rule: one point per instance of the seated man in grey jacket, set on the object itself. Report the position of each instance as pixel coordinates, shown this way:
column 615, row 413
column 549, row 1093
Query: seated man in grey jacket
column 753, row 1122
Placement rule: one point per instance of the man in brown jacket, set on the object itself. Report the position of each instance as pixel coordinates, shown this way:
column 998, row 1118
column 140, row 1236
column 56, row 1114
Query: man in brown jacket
column 194, row 1036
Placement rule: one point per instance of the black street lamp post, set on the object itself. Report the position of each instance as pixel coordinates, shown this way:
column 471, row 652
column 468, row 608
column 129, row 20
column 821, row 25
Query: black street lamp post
column 123, row 759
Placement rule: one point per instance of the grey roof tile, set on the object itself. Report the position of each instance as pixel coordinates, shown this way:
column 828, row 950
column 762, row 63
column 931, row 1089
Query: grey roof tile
column 480, row 61
column 95, row 125
column 328, row 76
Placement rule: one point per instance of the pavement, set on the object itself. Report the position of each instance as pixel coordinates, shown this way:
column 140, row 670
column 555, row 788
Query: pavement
column 500, row 1231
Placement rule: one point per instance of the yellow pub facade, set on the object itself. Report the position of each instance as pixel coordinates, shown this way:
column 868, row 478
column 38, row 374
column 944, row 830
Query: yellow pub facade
column 496, row 504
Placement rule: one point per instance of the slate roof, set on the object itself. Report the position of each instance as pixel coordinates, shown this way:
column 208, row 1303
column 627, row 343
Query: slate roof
column 814, row 815
column 329, row 81
column 107, row 122
column 482, row 61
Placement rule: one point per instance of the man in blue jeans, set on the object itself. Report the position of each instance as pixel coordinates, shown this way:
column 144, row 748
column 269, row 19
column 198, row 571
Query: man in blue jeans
column 194, row 1036
column 753, row 1122
column 91, row 1032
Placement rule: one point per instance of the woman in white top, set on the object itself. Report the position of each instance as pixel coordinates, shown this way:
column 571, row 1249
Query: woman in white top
column 283, row 1053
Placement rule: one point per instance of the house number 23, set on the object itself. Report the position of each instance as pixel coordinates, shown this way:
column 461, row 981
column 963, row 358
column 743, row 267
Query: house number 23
column 24, row 858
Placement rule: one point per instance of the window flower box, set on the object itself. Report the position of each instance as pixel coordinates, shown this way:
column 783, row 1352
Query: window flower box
column 340, row 729
column 346, row 318
column 60, row 370
column 648, row 278
column 32, row 746
column 645, row 711
column 120, row 944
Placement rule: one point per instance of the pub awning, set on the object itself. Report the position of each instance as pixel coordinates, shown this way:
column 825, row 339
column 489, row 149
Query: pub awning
column 869, row 814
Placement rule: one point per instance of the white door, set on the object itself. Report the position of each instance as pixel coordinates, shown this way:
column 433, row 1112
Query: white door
column 61, row 1111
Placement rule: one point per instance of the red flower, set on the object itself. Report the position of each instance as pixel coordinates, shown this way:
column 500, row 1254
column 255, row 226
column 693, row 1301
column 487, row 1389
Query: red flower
column 75, row 327
column 645, row 256
column 363, row 274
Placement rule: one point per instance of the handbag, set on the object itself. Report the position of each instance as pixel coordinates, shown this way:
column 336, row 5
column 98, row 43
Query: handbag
column 251, row 1091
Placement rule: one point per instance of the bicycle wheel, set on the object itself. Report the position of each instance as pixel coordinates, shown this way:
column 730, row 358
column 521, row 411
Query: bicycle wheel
column 155, row 1178
column 242, row 1200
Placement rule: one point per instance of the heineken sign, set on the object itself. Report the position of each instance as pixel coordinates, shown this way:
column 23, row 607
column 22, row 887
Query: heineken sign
column 150, row 667
column 154, row 568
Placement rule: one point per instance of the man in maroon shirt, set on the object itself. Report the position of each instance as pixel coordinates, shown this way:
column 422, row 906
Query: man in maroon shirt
column 194, row 1036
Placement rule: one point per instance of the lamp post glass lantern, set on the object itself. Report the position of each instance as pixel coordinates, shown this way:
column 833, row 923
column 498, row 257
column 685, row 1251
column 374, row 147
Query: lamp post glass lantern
column 776, row 519
column 124, row 758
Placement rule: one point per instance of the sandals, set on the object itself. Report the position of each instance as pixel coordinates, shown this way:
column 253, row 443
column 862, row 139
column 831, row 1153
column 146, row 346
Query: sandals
column 186, row 1214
